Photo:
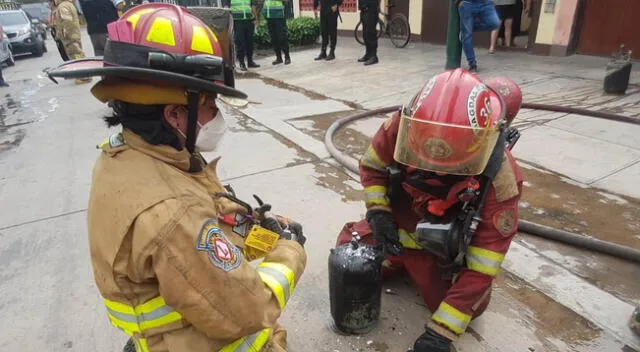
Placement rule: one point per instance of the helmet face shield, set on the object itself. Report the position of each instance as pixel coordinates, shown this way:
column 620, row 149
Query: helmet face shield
column 444, row 148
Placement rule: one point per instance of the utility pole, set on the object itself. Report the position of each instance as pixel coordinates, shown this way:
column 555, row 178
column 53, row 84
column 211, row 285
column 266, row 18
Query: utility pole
column 454, row 47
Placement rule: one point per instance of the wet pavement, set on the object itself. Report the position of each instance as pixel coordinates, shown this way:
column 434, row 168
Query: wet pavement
column 274, row 149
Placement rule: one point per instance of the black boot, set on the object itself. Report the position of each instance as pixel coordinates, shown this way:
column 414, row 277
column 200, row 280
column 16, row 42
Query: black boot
column 242, row 66
column 332, row 55
column 366, row 56
column 287, row 58
column 371, row 61
column 277, row 61
column 252, row 64
column 323, row 54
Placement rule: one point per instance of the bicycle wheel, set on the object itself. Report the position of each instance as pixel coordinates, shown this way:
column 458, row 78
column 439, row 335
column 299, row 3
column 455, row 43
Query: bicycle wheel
column 399, row 31
column 358, row 33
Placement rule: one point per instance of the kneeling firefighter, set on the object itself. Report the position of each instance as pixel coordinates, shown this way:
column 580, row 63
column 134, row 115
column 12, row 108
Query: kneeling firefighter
column 170, row 245
column 441, row 190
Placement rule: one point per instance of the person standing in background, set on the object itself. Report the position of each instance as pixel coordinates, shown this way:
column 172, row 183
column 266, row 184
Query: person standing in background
column 475, row 16
column 273, row 11
column 245, row 18
column 329, row 12
column 64, row 17
column 98, row 14
column 506, row 10
column 2, row 81
column 369, row 10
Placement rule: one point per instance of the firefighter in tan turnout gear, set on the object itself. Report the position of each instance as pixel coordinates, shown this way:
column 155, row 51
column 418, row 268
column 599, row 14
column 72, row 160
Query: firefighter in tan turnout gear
column 66, row 26
column 170, row 245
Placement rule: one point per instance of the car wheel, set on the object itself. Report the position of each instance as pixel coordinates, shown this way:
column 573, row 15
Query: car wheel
column 38, row 49
column 10, row 61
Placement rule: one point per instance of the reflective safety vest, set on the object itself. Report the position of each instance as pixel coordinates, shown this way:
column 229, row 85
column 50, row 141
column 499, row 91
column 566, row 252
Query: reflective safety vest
column 241, row 9
column 273, row 9
column 139, row 321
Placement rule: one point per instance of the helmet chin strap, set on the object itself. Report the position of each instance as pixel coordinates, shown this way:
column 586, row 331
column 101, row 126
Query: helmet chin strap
column 193, row 100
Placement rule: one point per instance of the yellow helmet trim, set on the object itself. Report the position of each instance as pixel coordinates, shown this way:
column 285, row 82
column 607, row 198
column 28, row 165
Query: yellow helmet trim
column 200, row 41
column 161, row 32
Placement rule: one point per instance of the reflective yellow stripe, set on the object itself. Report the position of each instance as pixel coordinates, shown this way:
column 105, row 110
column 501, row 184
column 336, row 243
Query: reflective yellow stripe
column 280, row 280
column 451, row 318
column 376, row 195
column 149, row 315
column 161, row 32
column 200, row 41
column 372, row 160
column 141, row 345
column 408, row 239
column 484, row 261
column 135, row 17
column 251, row 343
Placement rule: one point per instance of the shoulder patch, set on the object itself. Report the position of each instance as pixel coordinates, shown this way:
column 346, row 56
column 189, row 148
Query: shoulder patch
column 221, row 252
column 505, row 183
column 505, row 221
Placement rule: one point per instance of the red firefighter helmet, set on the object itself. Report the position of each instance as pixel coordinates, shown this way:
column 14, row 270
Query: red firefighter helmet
column 510, row 93
column 451, row 126
column 155, row 54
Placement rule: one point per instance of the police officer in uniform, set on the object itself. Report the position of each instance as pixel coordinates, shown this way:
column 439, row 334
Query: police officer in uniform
column 369, row 10
column 167, row 239
column 329, row 12
column 273, row 11
column 244, row 19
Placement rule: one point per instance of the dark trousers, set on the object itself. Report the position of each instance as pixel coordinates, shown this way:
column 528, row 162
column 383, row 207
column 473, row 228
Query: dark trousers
column 98, row 41
column 243, row 39
column 329, row 29
column 279, row 36
column 369, row 18
column 1, row 77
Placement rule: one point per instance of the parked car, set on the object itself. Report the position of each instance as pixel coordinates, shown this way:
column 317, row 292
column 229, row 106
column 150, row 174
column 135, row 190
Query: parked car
column 38, row 13
column 23, row 34
column 6, row 56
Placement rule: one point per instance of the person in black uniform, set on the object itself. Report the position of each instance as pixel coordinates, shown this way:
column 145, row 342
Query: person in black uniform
column 369, row 10
column 98, row 14
column 329, row 12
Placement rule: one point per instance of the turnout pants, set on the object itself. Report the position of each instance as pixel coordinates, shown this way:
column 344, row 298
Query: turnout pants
column 243, row 39
column 419, row 265
column 329, row 29
column 279, row 36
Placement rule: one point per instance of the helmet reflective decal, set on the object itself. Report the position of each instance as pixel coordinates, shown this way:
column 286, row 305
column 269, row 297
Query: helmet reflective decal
column 479, row 106
column 161, row 32
column 200, row 42
column 135, row 17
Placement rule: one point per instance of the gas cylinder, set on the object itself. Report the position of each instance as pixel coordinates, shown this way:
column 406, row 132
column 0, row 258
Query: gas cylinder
column 355, row 286
column 616, row 80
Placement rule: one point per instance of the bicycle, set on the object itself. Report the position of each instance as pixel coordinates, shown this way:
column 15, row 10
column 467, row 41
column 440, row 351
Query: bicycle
column 397, row 28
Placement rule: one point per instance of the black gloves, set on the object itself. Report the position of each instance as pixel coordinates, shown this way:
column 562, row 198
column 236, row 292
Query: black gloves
column 431, row 341
column 286, row 228
column 384, row 231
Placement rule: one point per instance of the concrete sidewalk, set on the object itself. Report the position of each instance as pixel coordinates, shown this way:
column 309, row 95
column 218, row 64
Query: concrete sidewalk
column 590, row 151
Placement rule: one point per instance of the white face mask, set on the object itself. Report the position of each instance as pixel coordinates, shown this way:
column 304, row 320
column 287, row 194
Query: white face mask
column 210, row 134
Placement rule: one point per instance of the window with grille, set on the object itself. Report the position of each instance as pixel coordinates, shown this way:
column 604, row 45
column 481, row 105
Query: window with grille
column 347, row 5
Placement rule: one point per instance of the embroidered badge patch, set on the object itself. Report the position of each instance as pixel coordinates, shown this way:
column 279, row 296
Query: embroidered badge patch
column 222, row 253
column 505, row 221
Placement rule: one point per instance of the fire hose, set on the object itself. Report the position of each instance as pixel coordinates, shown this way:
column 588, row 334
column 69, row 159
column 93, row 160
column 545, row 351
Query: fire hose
column 532, row 228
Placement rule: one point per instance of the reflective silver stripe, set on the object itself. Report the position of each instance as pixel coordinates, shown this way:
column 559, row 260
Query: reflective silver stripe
column 280, row 277
column 247, row 344
column 374, row 196
column 450, row 319
column 483, row 261
column 422, row 225
column 153, row 315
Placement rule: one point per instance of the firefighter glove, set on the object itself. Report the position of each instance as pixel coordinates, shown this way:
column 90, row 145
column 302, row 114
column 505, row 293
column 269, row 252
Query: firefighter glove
column 384, row 231
column 431, row 341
